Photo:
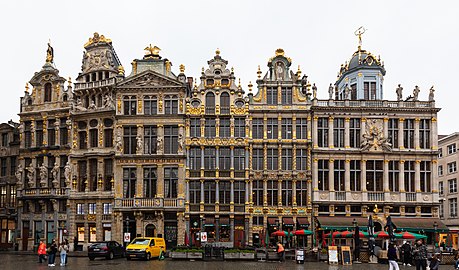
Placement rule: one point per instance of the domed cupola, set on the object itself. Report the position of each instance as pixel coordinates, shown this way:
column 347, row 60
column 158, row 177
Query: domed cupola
column 362, row 77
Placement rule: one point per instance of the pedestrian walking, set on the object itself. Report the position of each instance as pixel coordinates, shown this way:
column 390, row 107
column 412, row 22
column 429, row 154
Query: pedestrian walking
column 63, row 249
column 280, row 251
column 392, row 257
column 456, row 261
column 68, row 246
column 406, row 253
column 420, row 255
column 41, row 252
column 434, row 262
column 52, row 250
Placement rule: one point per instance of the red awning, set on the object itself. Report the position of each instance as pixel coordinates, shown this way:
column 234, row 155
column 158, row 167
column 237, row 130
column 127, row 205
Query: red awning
column 302, row 220
column 288, row 221
column 272, row 221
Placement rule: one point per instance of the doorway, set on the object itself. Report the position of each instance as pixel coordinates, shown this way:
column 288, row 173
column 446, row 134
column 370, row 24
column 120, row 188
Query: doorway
column 150, row 230
column 25, row 234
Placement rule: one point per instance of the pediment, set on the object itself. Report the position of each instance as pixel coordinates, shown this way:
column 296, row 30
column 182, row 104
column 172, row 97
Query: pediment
column 149, row 79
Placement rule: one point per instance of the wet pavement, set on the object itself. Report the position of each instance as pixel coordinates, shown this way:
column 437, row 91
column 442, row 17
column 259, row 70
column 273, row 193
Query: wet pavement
column 16, row 262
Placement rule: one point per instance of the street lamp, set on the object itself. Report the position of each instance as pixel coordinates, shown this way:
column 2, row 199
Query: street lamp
column 435, row 225
column 127, row 230
column 356, row 240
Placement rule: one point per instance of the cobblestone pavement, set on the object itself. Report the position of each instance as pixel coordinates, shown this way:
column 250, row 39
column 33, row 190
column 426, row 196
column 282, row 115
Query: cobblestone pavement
column 20, row 262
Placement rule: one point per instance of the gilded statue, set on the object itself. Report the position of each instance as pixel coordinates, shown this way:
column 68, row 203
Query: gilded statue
column 49, row 54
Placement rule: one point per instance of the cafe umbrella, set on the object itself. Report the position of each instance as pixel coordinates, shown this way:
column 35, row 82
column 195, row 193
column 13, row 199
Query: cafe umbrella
column 302, row 233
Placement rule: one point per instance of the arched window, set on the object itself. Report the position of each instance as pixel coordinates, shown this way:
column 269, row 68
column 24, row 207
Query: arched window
column 48, row 91
column 171, row 104
column 224, row 103
column 210, row 103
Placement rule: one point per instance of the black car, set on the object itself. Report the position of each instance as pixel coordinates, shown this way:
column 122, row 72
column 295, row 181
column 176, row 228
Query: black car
column 107, row 249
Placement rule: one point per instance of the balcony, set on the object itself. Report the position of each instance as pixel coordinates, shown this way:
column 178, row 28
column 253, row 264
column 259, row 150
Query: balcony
column 149, row 203
column 410, row 196
column 376, row 196
column 340, row 195
column 43, row 192
column 89, row 85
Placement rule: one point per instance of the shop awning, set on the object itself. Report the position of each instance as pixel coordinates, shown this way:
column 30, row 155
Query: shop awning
column 224, row 221
column 272, row 221
column 340, row 223
column 419, row 224
column 302, row 221
column 210, row 221
column 288, row 222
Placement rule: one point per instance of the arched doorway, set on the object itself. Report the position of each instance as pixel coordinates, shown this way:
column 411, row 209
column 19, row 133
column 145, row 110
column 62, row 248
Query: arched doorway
column 150, row 230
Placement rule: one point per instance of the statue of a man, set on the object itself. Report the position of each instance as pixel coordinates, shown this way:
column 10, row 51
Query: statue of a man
column 159, row 145
column 30, row 173
column 416, row 91
column 55, row 172
column 399, row 92
column 49, row 54
column 347, row 92
column 314, row 91
column 180, row 143
column 432, row 94
column 43, row 173
column 18, row 174
column 330, row 91
column 118, row 141
column 67, row 172
column 139, row 144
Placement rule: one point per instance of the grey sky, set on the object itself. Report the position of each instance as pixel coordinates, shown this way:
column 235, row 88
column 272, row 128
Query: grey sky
column 417, row 40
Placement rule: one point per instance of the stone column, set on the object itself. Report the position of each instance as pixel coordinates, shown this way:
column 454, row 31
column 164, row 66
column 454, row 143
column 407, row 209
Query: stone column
column 294, row 192
column 434, row 136
column 139, row 179
column 265, row 126
column 386, row 176
column 160, row 136
column 330, row 132
column 217, row 192
column 386, row 128
column 279, row 126
column 346, row 133
column 315, row 173
column 232, row 191
column 331, row 175
column 294, row 126
column 363, row 175
column 401, row 122
column 57, row 133
column 401, row 170
column 314, row 136
column 416, row 134
column 265, row 192
column 202, row 191
column 347, row 175
column 417, row 176
column 187, row 190
column 160, row 181
column 232, row 228
column 433, row 181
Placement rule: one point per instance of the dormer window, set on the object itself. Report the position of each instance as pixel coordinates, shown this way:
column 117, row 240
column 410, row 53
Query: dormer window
column 224, row 103
column 369, row 90
column 210, row 82
column 210, row 103
column 48, row 91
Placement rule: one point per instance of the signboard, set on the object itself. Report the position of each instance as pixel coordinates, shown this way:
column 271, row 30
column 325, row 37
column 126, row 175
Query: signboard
column 127, row 237
column 203, row 236
column 346, row 255
column 333, row 255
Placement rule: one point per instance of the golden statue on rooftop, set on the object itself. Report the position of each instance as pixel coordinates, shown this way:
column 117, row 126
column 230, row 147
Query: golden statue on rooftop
column 152, row 50
column 49, row 53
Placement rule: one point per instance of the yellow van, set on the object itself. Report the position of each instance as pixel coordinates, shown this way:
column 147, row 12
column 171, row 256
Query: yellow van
column 146, row 248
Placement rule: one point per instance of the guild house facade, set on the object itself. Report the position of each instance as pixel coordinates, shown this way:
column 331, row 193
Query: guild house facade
column 155, row 153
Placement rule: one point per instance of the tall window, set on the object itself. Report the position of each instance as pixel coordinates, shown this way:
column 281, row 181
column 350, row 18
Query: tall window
column 92, row 208
column 149, row 182
column 453, row 207
column 195, row 127
column 257, row 128
column 170, row 182
column 107, row 208
column 374, row 175
column 130, row 105
column 355, row 175
column 322, row 131
column 39, row 133
column 257, row 160
column 257, row 192
column 452, row 168
column 93, row 137
column 440, row 152
column 441, row 188
column 302, row 128
column 129, row 182
column 286, row 95
column 195, row 191
column 286, row 128
column 80, row 209
column 272, row 128
column 209, row 192
column 322, row 175
column 301, row 159
column 272, row 194
column 440, row 170
column 394, row 173
column 224, row 192
column 425, row 176
column 393, row 132
column 51, row 132
column 210, row 131
column 424, row 133
column 408, row 133
column 369, row 90
column 273, row 159
column 451, row 148
column 150, row 105
column 224, row 128
column 27, row 134
column 338, row 132
column 409, row 176
column 195, row 158
column 130, row 141
column 354, row 132
column 224, row 158
column 5, row 139
column 224, row 103
column 82, row 139
column 287, row 192
column 108, row 173
column 171, row 104
column 239, row 192
column 209, row 158
column 150, row 139
column 301, row 193
column 239, row 127
column 2, row 196
column 287, row 157
column 452, row 186
column 210, row 103
column 338, row 175
column 108, row 137
column 272, row 95
column 239, row 159
column 4, row 167
column 354, row 91
column 170, row 139
column 48, row 92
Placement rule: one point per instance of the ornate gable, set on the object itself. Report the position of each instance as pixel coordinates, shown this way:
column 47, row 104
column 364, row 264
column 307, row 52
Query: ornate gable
column 147, row 79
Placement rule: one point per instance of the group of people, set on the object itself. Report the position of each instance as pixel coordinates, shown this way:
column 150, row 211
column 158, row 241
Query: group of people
column 410, row 254
column 52, row 250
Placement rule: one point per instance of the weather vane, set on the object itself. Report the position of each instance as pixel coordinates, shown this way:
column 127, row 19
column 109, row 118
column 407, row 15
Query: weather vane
column 359, row 32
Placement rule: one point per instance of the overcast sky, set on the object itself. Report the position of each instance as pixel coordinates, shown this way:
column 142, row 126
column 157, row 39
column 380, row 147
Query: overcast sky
column 417, row 40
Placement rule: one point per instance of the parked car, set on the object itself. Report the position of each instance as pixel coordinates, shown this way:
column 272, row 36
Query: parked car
column 107, row 249
column 146, row 248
